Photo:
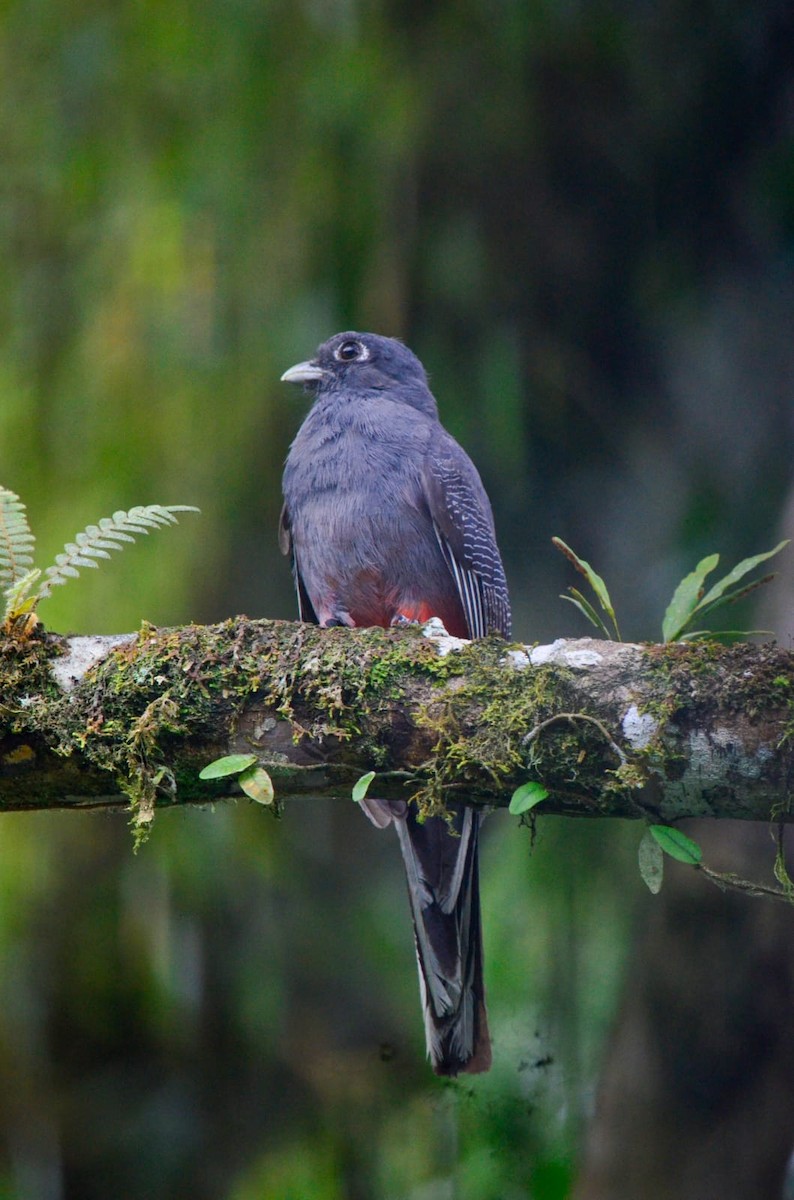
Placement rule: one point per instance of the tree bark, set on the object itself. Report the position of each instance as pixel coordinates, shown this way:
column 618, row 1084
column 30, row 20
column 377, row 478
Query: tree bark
column 610, row 729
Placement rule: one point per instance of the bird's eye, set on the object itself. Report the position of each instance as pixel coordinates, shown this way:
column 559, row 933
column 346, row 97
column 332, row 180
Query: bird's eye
column 350, row 351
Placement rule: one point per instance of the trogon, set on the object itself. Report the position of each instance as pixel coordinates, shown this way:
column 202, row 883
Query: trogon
column 386, row 521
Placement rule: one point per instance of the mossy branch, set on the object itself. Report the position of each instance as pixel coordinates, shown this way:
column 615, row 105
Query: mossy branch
column 663, row 732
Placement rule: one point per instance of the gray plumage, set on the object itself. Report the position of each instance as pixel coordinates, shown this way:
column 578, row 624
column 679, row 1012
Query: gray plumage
column 385, row 519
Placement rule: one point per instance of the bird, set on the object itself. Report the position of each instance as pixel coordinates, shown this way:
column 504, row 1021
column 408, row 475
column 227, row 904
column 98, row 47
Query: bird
column 386, row 521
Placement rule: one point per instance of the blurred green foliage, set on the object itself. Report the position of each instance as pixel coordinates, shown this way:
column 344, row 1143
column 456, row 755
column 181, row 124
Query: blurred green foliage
column 580, row 216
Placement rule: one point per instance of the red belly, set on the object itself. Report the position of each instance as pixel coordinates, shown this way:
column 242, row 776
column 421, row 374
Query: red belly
column 450, row 614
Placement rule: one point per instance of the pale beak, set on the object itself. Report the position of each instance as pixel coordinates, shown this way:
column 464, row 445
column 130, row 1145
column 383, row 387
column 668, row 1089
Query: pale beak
column 305, row 372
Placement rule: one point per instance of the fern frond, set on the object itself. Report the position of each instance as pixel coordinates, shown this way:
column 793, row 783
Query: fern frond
column 16, row 539
column 97, row 541
column 17, row 598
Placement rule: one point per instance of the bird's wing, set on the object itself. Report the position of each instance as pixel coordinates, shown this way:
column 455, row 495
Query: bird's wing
column 464, row 527
column 287, row 546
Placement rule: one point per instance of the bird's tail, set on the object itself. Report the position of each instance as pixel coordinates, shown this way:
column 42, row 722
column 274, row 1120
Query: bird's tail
column 443, row 886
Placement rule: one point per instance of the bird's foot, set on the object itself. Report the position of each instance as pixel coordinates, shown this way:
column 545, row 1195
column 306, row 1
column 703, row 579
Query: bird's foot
column 400, row 620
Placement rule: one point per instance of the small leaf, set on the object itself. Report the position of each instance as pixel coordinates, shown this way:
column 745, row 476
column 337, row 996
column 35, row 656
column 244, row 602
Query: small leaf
column 108, row 530
column 593, row 578
column 780, row 868
column 80, row 560
column 739, row 571
column 527, row 796
column 704, row 609
column 685, row 599
column 230, row 764
column 597, row 586
column 361, row 786
column 676, row 844
column 16, row 595
column 257, row 784
column 585, row 607
column 651, row 862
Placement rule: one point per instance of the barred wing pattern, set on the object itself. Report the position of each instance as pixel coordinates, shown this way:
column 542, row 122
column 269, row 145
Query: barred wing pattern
column 464, row 527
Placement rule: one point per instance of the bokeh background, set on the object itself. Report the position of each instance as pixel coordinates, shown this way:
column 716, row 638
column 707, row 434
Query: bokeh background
column 581, row 217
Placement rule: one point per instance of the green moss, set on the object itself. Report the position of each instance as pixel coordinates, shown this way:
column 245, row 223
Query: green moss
column 25, row 670
column 481, row 724
column 705, row 678
column 126, row 713
column 328, row 683
column 692, row 683
column 149, row 711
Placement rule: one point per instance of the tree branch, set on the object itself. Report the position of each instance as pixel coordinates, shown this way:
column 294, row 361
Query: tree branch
column 610, row 729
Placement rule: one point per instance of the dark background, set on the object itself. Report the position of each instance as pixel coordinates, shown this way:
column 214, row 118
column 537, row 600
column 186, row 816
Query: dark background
column 581, row 217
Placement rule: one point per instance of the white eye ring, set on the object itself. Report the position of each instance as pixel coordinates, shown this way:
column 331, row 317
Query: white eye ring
column 360, row 351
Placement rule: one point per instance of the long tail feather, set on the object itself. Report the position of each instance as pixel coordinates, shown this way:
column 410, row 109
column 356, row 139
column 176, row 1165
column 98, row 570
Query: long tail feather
column 443, row 887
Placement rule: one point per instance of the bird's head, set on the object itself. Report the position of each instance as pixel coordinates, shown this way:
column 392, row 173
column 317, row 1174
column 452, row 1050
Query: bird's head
column 363, row 363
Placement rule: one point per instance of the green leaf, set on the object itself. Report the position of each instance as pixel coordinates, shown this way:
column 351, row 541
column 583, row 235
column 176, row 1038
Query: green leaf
column 585, row 607
column 16, row 539
column 96, row 541
column 230, row 764
column 593, row 578
column 651, row 862
column 257, row 784
column 739, row 571
column 689, row 598
column 780, row 869
column 685, row 599
column 527, row 796
column 731, row 597
column 361, row 786
column 16, row 596
column 676, row 844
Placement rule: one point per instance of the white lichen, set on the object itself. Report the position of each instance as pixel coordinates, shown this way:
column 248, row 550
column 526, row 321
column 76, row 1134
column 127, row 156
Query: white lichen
column 516, row 658
column 565, row 653
column 445, row 642
column 638, row 728
column 84, row 653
